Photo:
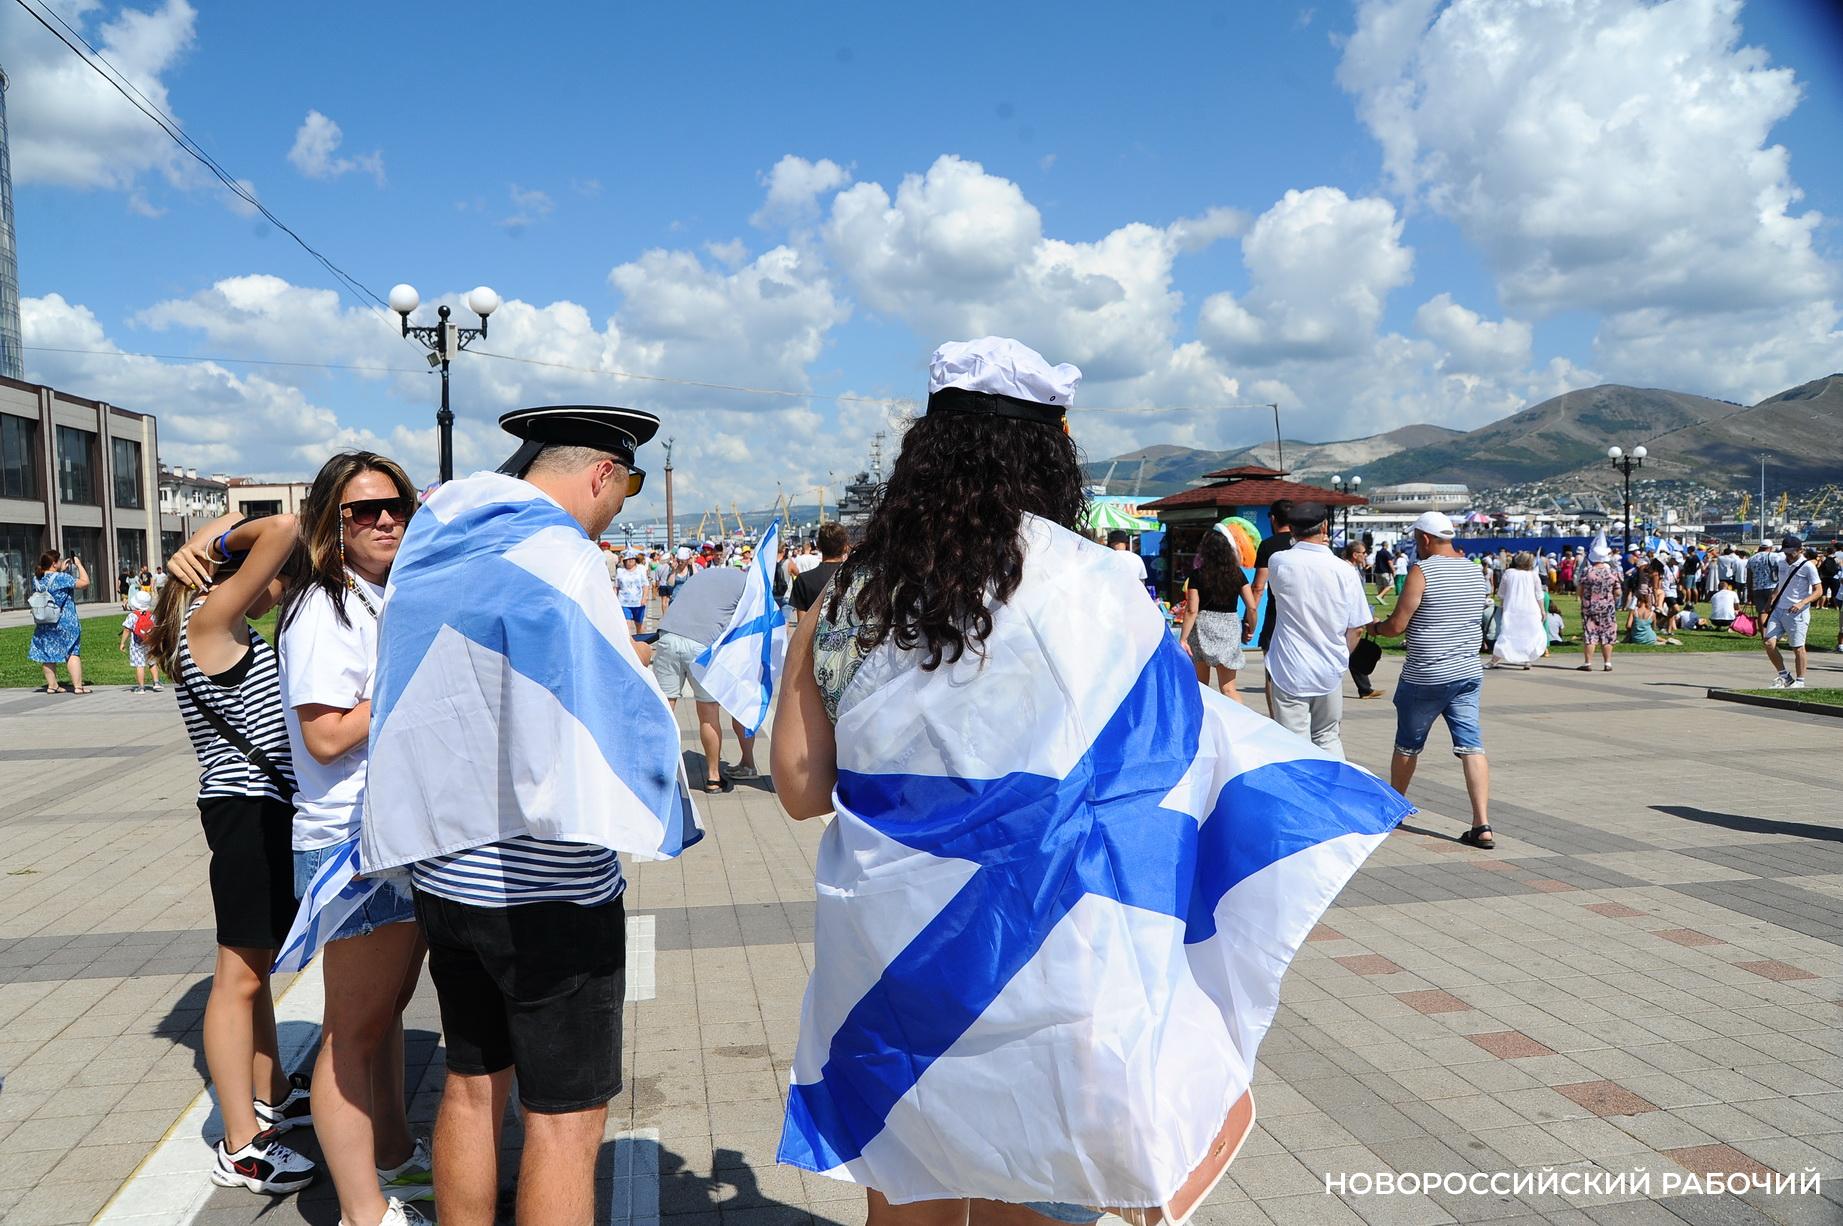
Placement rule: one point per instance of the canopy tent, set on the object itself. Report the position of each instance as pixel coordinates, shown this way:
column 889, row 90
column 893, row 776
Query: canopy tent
column 1111, row 517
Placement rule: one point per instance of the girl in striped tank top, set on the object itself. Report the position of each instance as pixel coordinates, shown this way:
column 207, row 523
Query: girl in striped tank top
column 230, row 697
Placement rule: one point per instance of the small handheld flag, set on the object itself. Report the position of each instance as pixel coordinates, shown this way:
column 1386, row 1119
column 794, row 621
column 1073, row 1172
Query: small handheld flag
column 334, row 894
column 743, row 666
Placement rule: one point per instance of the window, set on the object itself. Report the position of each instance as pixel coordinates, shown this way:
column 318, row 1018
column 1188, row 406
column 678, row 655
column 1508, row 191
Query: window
column 20, row 545
column 76, row 466
column 258, row 508
column 170, row 543
column 127, row 457
column 130, row 550
column 86, row 543
column 18, row 457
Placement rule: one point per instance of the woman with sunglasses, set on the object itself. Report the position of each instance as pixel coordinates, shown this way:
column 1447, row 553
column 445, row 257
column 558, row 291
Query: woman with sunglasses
column 352, row 523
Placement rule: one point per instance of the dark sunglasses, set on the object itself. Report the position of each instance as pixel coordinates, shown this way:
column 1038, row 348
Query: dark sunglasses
column 636, row 477
column 364, row 512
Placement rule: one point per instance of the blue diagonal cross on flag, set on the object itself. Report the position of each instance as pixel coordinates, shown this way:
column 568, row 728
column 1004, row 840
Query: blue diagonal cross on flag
column 743, row 667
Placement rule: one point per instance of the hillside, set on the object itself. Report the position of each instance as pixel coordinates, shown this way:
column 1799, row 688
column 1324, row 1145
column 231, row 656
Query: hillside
column 1801, row 429
column 1569, row 432
column 1169, row 468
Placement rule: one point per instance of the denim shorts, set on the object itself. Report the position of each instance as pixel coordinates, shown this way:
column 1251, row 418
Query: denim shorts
column 391, row 904
column 1074, row 1215
column 1417, row 706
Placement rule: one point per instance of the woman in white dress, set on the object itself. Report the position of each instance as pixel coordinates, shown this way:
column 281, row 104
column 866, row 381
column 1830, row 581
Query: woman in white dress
column 1522, row 636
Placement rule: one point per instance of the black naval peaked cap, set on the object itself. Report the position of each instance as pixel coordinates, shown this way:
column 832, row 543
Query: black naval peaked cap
column 609, row 428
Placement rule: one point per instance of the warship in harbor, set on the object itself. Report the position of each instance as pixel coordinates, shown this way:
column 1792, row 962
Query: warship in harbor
column 860, row 493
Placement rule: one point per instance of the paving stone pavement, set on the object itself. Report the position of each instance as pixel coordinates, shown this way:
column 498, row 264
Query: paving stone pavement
column 1644, row 976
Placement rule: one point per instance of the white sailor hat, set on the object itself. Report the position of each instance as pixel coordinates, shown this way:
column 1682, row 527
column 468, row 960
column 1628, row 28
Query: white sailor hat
column 617, row 431
column 1000, row 377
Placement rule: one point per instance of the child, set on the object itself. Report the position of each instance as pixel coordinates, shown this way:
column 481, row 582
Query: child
column 1723, row 606
column 135, row 628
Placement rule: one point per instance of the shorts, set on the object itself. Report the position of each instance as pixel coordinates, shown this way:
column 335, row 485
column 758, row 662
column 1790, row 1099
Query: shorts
column 1215, row 640
column 1418, row 705
column 391, row 904
column 137, row 653
column 635, row 613
column 252, row 868
column 1401, row 581
column 536, row 988
column 1761, row 597
column 1056, row 1211
column 1792, row 627
column 672, row 657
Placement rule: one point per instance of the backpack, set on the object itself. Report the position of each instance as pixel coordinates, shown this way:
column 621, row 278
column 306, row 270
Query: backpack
column 46, row 608
column 143, row 625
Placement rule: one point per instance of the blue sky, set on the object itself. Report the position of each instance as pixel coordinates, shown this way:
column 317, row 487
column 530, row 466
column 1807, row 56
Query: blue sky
column 1373, row 214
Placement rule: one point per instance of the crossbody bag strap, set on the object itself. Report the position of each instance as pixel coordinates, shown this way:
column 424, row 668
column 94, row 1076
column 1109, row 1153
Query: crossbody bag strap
column 1773, row 608
column 238, row 741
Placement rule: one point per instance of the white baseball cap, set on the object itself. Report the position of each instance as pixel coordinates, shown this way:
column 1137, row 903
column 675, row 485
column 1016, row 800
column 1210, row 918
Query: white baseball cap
column 1436, row 523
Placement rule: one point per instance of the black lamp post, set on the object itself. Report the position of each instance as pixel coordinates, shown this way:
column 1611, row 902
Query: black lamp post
column 444, row 340
column 1623, row 463
column 1338, row 483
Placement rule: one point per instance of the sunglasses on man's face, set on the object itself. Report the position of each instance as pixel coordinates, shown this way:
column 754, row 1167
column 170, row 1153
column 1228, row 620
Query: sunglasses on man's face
column 364, row 512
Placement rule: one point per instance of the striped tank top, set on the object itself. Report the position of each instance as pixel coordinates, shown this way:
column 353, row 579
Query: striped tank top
column 249, row 698
column 1445, row 632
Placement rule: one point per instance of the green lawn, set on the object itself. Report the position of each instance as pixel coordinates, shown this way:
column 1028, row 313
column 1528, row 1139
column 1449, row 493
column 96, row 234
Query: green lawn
column 1829, row 697
column 102, row 663
column 1823, row 634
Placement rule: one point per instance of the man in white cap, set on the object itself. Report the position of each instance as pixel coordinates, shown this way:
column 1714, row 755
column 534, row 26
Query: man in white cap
column 519, row 743
column 1442, row 677
column 1788, row 613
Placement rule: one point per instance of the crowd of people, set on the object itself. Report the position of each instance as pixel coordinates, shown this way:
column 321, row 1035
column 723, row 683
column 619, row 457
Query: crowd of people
column 522, row 927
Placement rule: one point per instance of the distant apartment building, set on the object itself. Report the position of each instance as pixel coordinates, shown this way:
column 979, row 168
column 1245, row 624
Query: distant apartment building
column 187, row 503
column 1418, row 496
column 77, row 476
column 258, row 498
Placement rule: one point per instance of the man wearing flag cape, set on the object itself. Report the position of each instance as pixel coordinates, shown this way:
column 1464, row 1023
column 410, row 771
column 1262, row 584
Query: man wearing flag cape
column 1064, row 879
column 517, row 744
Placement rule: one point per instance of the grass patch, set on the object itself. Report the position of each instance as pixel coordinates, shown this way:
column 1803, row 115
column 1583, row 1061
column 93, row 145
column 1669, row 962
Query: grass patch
column 102, row 663
column 1823, row 633
column 1827, row 697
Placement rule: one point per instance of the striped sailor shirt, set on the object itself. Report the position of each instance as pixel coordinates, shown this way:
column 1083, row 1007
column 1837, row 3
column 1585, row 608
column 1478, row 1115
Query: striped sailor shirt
column 523, row 870
column 1444, row 633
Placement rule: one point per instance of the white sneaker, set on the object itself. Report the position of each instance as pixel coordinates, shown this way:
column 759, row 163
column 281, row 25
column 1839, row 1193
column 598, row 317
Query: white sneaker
column 264, row 1165
column 398, row 1214
column 1782, row 682
column 292, row 1112
column 1798, row 683
column 415, row 1179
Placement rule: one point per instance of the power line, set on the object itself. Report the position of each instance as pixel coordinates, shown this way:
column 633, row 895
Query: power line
column 192, row 357
column 167, row 124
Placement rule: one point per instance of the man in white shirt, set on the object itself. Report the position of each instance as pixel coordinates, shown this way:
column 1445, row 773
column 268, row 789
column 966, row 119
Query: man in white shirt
column 1121, row 541
column 1788, row 613
column 1321, row 613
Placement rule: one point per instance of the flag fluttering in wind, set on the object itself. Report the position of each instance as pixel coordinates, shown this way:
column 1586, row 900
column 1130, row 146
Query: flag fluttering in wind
column 1056, row 904
column 743, row 667
column 334, row 894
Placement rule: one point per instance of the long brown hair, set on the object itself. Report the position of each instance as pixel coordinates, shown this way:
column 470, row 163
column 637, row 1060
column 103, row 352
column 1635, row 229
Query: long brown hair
column 170, row 620
column 323, row 530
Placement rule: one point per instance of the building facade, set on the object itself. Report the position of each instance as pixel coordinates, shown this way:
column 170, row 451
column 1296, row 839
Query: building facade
column 77, row 476
column 187, row 503
column 259, row 498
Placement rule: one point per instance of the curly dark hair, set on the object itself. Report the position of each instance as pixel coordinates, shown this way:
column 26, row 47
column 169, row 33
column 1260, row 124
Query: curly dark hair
column 942, row 539
column 1218, row 578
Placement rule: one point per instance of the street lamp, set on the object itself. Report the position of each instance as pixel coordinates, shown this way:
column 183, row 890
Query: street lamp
column 444, row 340
column 1623, row 463
column 1355, row 483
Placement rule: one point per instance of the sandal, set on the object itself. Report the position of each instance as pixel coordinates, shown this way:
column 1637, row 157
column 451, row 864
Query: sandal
column 713, row 787
column 1583, row 668
column 80, row 689
column 1479, row 837
column 59, row 690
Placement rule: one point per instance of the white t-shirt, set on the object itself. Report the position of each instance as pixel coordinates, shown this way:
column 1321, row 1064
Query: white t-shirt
column 1803, row 582
column 630, row 587
column 1318, row 597
column 327, row 664
column 806, row 562
column 1723, row 605
column 1138, row 562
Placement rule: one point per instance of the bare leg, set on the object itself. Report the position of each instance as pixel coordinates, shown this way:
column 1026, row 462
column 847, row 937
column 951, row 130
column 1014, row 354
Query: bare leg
column 1228, row 682
column 745, row 754
column 75, row 664
column 917, row 1213
column 1401, row 771
column 467, row 1130
column 710, row 736
column 1772, row 653
column 556, row 1176
column 999, row 1213
column 364, row 978
column 266, row 1072
column 1798, row 662
column 51, row 677
column 240, row 979
column 1477, row 785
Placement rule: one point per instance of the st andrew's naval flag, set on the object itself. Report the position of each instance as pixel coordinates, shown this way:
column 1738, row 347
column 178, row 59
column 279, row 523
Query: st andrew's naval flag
column 509, row 700
column 1056, row 903
column 742, row 668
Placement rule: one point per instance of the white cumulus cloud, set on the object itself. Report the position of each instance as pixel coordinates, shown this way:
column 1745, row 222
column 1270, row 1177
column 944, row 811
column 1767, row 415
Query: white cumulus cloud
column 1473, row 344
column 794, row 187
column 315, row 152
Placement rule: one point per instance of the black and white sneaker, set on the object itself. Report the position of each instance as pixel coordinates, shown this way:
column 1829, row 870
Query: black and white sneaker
column 264, row 1165
column 292, row 1112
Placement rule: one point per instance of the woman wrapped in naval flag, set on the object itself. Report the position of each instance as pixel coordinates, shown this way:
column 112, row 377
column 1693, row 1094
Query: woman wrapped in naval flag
column 1064, row 880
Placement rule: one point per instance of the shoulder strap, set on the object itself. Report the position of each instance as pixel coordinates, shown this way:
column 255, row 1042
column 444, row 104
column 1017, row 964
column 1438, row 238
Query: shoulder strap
column 1783, row 584
column 237, row 740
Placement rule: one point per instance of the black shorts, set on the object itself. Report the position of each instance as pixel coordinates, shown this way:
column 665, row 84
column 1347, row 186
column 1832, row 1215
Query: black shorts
column 536, row 988
column 252, row 868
